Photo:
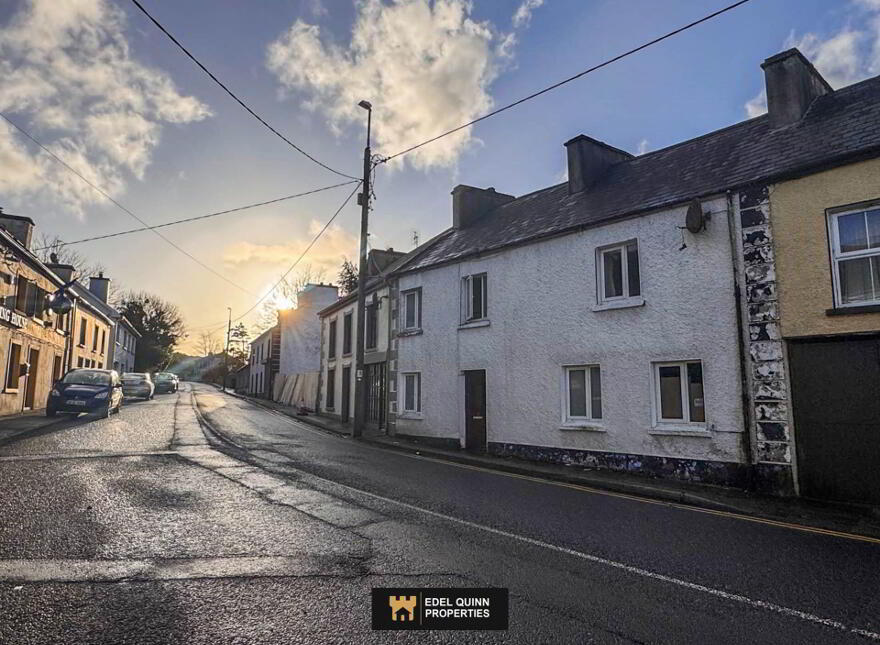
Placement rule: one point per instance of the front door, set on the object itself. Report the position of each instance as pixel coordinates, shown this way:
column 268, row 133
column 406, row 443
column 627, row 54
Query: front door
column 31, row 387
column 346, row 393
column 475, row 410
column 835, row 391
column 375, row 382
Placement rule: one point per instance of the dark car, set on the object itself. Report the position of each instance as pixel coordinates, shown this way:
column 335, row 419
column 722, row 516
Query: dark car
column 165, row 382
column 137, row 384
column 86, row 390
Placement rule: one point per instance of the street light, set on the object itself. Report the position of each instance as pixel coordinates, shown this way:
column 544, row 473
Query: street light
column 360, row 404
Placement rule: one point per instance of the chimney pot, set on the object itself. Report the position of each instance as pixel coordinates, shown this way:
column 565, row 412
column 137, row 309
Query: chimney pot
column 792, row 85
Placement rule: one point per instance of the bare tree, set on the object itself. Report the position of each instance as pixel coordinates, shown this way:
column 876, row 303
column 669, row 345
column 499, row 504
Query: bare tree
column 284, row 296
column 208, row 344
column 52, row 249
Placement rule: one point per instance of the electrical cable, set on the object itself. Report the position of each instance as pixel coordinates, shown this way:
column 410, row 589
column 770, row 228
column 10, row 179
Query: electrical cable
column 196, row 218
column 233, row 95
column 569, row 79
column 120, row 206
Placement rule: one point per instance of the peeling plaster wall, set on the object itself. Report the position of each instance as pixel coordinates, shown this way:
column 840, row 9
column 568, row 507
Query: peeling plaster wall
column 767, row 377
column 540, row 307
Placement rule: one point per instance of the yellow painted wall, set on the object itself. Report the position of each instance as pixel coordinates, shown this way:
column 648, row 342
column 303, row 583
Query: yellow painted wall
column 800, row 232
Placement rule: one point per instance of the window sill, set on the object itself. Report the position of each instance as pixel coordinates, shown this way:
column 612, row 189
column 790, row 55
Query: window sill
column 853, row 309
column 11, row 390
column 623, row 303
column 473, row 324
column 415, row 331
column 414, row 416
column 346, row 355
column 582, row 427
column 680, row 431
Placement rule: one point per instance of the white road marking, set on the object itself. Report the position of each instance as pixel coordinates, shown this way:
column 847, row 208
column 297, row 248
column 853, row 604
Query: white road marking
column 718, row 593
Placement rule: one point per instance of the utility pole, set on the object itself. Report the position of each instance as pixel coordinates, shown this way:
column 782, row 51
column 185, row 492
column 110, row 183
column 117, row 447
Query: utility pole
column 226, row 353
column 360, row 391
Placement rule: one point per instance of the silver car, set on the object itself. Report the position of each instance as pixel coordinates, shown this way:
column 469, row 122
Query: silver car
column 137, row 384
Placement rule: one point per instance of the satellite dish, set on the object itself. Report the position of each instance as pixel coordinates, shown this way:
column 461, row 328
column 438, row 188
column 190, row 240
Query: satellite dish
column 695, row 220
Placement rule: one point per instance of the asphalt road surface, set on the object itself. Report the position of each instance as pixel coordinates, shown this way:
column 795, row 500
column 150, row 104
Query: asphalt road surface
column 200, row 518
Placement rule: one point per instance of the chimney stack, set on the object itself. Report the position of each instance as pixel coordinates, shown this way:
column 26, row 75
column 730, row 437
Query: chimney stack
column 470, row 204
column 21, row 228
column 792, row 85
column 588, row 160
column 100, row 286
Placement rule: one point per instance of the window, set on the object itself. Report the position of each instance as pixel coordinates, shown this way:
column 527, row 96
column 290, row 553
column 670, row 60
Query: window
column 95, row 339
column 56, row 368
column 331, row 343
column 856, row 254
column 679, row 392
column 618, row 268
column 13, row 367
column 412, row 309
column 412, row 392
column 583, row 393
column 474, row 306
column 103, row 341
column 346, row 334
column 79, row 361
column 82, row 333
column 372, row 330
column 331, row 389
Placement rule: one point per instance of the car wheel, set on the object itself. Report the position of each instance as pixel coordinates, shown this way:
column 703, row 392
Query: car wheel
column 106, row 412
column 51, row 412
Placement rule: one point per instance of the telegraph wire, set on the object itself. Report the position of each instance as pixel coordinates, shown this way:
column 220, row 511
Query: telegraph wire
column 198, row 217
column 233, row 95
column 292, row 266
column 569, row 79
column 120, row 206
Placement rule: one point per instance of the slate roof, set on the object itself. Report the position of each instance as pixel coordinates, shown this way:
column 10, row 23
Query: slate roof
column 839, row 127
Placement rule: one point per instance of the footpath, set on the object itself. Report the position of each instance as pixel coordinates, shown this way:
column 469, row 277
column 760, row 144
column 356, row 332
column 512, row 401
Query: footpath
column 26, row 423
column 830, row 517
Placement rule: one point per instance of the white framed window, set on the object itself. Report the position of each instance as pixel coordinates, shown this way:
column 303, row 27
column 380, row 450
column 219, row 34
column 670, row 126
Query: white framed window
column 412, row 392
column 855, row 252
column 583, row 393
column 412, row 309
column 474, row 297
column 618, row 271
column 678, row 393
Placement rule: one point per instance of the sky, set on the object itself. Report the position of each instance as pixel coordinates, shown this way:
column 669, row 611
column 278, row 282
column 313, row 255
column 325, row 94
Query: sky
column 106, row 91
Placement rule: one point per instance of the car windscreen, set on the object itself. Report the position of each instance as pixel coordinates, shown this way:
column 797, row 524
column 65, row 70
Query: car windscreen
column 86, row 377
column 134, row 378
column 164, row 377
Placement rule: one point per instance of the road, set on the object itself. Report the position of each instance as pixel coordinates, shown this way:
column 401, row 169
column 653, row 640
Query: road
column 200, row 518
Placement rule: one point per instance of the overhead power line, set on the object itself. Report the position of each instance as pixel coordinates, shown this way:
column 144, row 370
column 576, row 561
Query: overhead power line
column 569, row 79
column 233, row 95
column 120, row 206
column 196, row 218
column 290, row 269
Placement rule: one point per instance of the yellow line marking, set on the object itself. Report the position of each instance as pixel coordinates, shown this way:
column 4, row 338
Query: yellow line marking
column 598, row 491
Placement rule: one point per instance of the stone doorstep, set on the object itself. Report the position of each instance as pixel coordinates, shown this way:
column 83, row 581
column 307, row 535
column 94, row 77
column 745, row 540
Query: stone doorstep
column 839, row 517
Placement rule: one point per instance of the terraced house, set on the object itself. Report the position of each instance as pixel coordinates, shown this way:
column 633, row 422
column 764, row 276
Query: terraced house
column 632, row 318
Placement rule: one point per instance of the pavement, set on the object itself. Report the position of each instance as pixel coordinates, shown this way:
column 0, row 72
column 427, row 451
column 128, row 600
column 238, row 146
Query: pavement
column 199, row 517
column 849, row 518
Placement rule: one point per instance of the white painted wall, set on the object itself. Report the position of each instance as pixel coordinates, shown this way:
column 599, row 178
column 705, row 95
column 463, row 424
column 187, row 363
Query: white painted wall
column 540, row 306
column 301, row 330
column 348, row 360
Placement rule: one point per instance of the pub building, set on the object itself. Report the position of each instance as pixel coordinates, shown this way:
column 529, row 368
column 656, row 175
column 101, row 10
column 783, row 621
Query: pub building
column 34, row 347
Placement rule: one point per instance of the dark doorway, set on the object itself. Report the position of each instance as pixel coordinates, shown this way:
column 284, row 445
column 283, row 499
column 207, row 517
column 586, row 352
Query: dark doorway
column 31, row 387
column 346, row 391
column 375, row 382
column 835, row 391
column 475, row 410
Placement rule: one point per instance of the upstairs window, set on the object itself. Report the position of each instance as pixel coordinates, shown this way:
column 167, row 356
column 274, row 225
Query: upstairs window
column 82, row 333
column 855, row 246
column 412, row 309
column 583, row 396
column 618, row 269
column 474, row 300
column 372, row 328
column 678, row 392
column 346, row 334
column 331, row 342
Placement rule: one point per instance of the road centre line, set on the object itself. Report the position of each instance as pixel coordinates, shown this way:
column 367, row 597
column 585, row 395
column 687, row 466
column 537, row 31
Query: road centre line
column 718, row 593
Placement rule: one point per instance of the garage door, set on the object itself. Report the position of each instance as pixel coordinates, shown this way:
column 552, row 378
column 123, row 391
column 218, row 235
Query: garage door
column 836, row 403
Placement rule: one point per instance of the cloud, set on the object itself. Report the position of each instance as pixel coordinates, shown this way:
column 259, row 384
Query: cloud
column 67, row 74
column 846, row 57
column 326, row 255
column 524, row 13
column 426, row 65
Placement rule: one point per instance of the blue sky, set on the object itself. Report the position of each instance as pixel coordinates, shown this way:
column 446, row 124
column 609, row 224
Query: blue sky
column 189, row 149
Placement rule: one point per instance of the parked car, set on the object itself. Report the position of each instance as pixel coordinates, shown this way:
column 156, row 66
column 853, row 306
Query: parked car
column 165, row 382
column 86, row 390
column 138, row 384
